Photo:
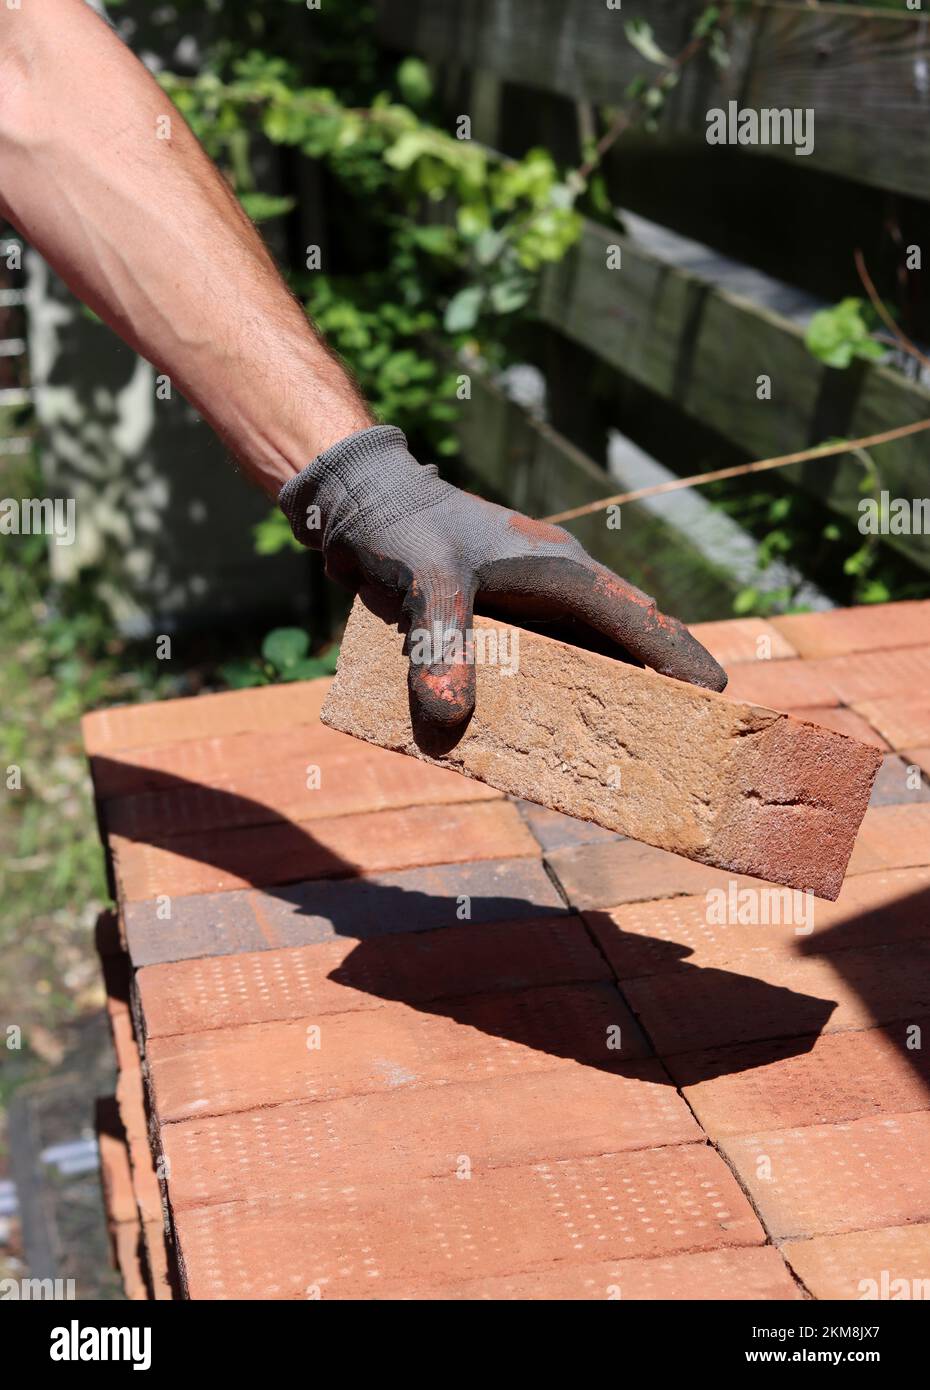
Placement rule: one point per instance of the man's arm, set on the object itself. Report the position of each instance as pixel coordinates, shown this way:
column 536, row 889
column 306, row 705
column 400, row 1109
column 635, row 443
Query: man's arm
column 145, row 230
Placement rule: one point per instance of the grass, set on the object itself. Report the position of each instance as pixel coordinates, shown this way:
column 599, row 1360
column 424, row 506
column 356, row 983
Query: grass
column 60, row 657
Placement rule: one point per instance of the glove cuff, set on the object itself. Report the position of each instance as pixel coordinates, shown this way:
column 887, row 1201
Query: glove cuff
column 368, row 473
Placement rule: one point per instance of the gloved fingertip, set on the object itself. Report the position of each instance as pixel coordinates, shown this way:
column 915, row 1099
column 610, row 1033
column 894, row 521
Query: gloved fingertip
column 443, row 696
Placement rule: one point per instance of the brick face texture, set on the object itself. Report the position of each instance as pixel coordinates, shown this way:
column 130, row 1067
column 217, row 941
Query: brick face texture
column 734, row 786
column 499, row 1052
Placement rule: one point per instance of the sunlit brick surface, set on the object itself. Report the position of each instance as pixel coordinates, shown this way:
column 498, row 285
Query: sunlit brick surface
column 404, row 1039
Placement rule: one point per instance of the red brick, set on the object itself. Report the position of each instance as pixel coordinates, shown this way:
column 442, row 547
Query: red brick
column 652, row 938
column 571, row 1112
column 770, row 995
column 115, row 1173
column 242, row 781
column 626, row 871
column 865, row 1264
column 107, row 731
column 743, row 639
column 157, row 1261
column 780, row 685
column 892, row 837
column 389, row 1048
column 818, row 1080
column 217, row 861
column 903, row 719
column 339, row 1242
column 826, row 1179
column 782, row 804
column 214, row 924
column 125, row 1238
column 841, row 721
column 870, row 676
column 341, row 974
column 870, row 627
column 730, row 1274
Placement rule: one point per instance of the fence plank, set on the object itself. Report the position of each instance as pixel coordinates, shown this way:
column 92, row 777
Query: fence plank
column 703, row 346
column 526, row 464
column 865, row 73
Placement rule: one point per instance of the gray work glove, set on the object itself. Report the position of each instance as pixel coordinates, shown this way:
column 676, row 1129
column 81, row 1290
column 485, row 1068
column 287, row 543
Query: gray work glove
column 388, row 523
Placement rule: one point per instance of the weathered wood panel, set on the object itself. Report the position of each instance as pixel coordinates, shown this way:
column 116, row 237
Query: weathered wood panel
column 865, row 73
column 704, row 347
column 523, row 462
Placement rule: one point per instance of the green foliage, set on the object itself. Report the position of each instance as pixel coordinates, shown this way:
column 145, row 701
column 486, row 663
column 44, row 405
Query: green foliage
column 284, row 657
column 640, row 35
column 838, row 335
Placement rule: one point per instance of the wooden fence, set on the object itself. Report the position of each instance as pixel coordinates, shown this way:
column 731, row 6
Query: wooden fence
column 689, row 325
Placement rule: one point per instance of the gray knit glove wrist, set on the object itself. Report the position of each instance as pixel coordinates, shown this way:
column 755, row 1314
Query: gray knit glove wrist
column 386, row 523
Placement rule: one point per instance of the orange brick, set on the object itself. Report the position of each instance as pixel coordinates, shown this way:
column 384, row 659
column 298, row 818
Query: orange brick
column 904, row 719
column 217, row 861
column 115, row 1173
column 892, row 837
column 841, row 721
column 203, row 716
column 125, row 1238
column 825, row 1179
column 743, row 639
column 869, row 676
column 571, row 1112
column 818, row 1080
column 239, row 781
column 338, row 1242
column 733, row 1273
column 865, row 1265
column 652, row 938
column 870, row 627
column 770, row 995
column 780, row 685
column 385, row 1049
column 156, row 1254
column 341, row 974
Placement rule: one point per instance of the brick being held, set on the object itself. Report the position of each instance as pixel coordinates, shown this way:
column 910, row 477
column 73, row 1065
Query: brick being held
column 735, row 786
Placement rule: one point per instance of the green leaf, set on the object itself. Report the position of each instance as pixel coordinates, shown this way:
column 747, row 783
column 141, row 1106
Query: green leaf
column 312, row 667
column 240, row 675
column 284, row 647
column 273, row 534
column 837, row 335
column 511, row 294
column 414, row 81
column 641, row 37
column 463, row 309
column 263, row 206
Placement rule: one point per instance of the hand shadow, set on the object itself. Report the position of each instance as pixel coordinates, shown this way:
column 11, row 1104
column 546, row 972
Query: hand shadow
column 464, row 980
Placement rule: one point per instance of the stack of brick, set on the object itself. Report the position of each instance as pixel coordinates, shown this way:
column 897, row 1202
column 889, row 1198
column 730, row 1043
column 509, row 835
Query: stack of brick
column 131, row 1191
column 402, row 1036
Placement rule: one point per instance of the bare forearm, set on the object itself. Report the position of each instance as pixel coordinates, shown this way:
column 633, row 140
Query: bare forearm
column 134, row 216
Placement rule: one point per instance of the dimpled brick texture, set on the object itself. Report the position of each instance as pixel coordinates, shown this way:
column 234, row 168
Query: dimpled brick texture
column 737, row 787
column 834, row 1178
column 336, row 1239
column 464, row 1130
column 865, row 1265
